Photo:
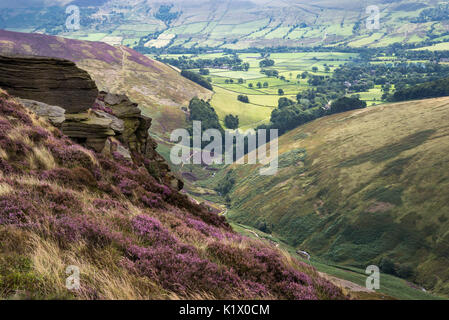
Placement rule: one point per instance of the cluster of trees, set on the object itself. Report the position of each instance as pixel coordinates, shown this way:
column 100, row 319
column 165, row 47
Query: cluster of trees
column 270, row 73
column 346, row 104
column 259, row 85
column 403, row 271
column 197, row 78
column 439, row 13
column 231, row 121
column 433, row 89
column 201, row 110
column 290, row 114
column 243, row 98
column 232, row 62
column 366, row 75
column 165, row 14
column 204, row 72
column 360, row 77
column 266, row 63
column 239, row 81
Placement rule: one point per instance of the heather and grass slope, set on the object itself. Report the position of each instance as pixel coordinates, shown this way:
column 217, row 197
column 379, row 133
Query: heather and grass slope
column 132, row 238
column 157, row 88
column 359, row 188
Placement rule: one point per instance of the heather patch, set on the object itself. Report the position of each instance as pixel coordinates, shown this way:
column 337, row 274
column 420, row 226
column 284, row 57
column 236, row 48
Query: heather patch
column 5, row 167
column 108, row 204
column 36, row 134
column 16, row 210
column 77, row 178
column 71, row 156
column 15, row 111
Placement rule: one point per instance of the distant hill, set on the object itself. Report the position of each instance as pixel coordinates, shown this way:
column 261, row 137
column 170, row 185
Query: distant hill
column 359, row 188
column 240, row 24
column 159, row 90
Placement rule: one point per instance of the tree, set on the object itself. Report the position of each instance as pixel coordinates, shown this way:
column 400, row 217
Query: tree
column 284, row 102
column 433, row 89
column 290, row 117
column 243, row 98
column 280, row 92
column 250, row 85
column 314, row 69
column 231, row 121
column 346, row 104
column 197, row 78
column 266, row 63
column 204, row 72
column 201, row 110
column 259, row 85
column 265, row 84
column 241, row 81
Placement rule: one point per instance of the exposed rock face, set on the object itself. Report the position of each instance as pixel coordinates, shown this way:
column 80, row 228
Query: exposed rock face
column 135, row 137
column 53, row 81
column 66, row 95
column 55, row 114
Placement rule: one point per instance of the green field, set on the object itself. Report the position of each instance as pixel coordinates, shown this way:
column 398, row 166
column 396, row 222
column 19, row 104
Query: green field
column 264, row 98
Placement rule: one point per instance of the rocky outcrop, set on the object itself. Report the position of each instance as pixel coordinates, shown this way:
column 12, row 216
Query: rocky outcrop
column 66, row 95
column 55, row 114
column 52, row 81
column 135, row 137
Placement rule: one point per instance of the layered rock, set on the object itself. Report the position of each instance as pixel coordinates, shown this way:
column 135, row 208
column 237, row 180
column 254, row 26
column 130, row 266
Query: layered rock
column 55, row 114
column 116, row 124
column 135, row 136
column 56, row 82
column 66, row 95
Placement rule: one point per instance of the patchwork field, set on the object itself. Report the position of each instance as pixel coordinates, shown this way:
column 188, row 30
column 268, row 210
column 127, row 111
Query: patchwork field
column 263, row 91
column 240, row 24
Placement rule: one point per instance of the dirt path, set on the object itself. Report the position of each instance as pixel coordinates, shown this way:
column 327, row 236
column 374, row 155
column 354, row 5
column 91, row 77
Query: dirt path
column 345, row 284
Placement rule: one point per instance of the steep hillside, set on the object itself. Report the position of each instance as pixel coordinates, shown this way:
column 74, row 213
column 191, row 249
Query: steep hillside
column 359, row 188
column 158, row 89
column 131, row 238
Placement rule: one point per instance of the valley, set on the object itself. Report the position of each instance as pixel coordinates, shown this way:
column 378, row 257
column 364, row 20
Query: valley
column 362, row 168
column 345, row 190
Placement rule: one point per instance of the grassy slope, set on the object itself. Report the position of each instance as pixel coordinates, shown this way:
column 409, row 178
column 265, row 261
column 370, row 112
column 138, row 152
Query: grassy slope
column 390, row 286
column 358, row 186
